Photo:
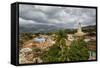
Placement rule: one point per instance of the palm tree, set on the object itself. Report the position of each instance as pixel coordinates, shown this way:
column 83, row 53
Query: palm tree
column 61, row 42
column 57, row 53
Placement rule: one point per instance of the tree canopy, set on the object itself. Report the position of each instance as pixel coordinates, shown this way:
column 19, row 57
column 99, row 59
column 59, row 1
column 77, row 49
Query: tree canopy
column 59, row 52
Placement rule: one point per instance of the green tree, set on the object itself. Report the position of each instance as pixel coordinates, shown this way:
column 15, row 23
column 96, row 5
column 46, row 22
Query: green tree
column 78, row 51
column 61, row 42
column 52, row 55
column 26, row 36
column 57, row 52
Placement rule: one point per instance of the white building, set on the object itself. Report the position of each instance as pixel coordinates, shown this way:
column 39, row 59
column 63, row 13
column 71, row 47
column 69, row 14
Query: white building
column 70, row 37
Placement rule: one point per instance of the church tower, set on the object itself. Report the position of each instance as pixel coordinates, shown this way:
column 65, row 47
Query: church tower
column 79, row 31
column 79, row 27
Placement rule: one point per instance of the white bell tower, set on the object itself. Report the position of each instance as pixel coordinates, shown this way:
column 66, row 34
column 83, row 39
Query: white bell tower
column 79, row 28
column 79, row 31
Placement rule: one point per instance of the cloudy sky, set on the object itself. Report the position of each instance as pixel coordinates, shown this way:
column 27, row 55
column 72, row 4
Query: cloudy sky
column 44, row 18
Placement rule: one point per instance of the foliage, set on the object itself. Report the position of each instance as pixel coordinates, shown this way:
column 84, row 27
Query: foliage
column 72, row 31
column 26, row 36
column 52, row 55
column 59, row 52
column 78, row 51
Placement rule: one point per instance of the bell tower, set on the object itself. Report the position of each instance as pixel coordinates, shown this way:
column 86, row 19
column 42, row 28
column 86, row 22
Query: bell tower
column 79, row 28
column 79, row 31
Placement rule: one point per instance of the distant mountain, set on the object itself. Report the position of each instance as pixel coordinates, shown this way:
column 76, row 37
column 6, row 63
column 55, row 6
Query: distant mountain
column 37, row 29
column 91, row 28
column 45, row 29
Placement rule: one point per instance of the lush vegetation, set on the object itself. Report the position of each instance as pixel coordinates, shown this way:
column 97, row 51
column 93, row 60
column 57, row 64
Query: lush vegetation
column 60, row 52
column 78, row 51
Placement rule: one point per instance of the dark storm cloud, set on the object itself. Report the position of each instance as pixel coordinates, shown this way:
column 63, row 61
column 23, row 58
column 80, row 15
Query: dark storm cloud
column 48, row 17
